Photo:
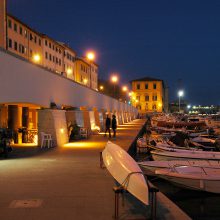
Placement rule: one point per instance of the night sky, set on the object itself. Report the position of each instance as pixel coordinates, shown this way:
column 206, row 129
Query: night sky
column 178, row 41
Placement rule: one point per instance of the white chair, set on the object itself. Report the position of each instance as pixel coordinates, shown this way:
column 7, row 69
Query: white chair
column 46, row 140
column 84, row 133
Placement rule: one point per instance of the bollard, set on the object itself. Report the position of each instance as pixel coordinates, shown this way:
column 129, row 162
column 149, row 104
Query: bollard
column 101, row 160
column 117, row 190
column 153, row 195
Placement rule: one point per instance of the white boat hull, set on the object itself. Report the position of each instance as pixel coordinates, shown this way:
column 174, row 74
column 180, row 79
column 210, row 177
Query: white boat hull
column 193, row 178
column 126, row 171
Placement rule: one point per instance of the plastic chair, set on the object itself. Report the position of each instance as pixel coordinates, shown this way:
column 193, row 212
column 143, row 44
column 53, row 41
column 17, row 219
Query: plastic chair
column 83, row 133
column 46, row 140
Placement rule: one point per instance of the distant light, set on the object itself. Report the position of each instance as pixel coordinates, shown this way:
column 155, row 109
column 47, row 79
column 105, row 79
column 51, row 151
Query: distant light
column 188, row 106
column 62, row 130
column 160, row 105
column 136, row 101
column 124, row 88
column 36, row 58
column 85, row 81
column 181, row 93
column 130, row 93
column 90, row 56
column 101, row 87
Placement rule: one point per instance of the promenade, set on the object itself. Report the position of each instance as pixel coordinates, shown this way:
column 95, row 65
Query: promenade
column 66, row 183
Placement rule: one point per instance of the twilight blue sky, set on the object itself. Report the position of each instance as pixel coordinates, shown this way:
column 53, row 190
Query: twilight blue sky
column 178, row 41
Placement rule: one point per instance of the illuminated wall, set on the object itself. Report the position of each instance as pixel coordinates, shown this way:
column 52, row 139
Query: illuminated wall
column 25, row 82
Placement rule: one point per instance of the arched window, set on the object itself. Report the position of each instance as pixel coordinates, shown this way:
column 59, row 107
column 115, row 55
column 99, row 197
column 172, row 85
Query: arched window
column 154, row 107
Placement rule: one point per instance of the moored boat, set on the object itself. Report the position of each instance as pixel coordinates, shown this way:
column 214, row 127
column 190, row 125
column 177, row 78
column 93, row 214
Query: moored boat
column 196, row 178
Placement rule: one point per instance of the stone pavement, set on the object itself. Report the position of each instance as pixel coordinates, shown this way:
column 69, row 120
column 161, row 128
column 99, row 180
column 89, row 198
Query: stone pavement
column 66, row 183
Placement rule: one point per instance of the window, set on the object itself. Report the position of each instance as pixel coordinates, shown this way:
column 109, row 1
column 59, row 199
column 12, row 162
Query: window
column 49, row 45
column 15, row 45
column 53, row 47
column 154, row 97
column 35, row 39
column 146, row 85
column 31, row 52
column 155, row 86
column 25, row 33
column 46, row 42
column 50, row 57
column 154, row 107
column 9, row 23
column 21, row 48
column 15, row 27
column 147, row 98
column 9, row 43
column 60, row 62
column 39, row 42
column 31, row 36
column 138, row 98
column 46, row 55
column 138, row 86
column 54, row 59
column 146, row 106
column 20, row 30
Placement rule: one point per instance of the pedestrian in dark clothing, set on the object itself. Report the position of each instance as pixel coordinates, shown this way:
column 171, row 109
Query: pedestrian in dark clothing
column 107, row 126
column 114, row 125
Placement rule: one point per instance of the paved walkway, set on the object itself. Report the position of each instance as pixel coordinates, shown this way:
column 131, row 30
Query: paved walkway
column 66, row 183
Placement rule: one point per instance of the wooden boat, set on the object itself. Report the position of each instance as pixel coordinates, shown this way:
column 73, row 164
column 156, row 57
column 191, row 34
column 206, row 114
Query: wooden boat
column 177, row 154
column 149, row 167
column 126, row 171
column 196, row 178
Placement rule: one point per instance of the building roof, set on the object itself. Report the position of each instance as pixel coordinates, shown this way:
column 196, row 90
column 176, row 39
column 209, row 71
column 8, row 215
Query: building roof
column 146, row 79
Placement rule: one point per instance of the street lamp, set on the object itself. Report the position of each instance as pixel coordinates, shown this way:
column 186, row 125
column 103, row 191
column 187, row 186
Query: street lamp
column 91, row 57
column 180, row 94
column 36, row 58
column 114, row 79
column 124, row 88
column 101, row 88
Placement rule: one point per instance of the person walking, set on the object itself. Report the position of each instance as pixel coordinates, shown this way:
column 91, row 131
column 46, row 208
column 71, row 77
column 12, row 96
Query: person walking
column 108, row 125
column 114, row 125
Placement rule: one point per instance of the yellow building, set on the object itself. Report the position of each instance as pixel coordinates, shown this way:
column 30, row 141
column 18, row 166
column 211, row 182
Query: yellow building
column 22, row 40
column 148, row 95
column 86, row 73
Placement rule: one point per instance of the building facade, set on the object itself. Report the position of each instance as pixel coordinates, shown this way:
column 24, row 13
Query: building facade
column 148, row 95
column 22, row 40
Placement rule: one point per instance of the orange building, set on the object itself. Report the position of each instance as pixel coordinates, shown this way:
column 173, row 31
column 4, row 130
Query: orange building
column 148, row 95
column 36, row 47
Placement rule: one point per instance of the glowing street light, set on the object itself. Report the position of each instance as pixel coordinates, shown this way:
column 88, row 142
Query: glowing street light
column 114, row 79
column 101, row 88
column 36, row 58
column 124, row 88
column 90, row 56
column 180, row 94
column 69, row 71
column 130, row 93
column 85, row 81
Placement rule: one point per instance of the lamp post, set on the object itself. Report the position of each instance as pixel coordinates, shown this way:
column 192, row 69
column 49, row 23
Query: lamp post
column 91, row 57
column 180, row 94
column 114, row 79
